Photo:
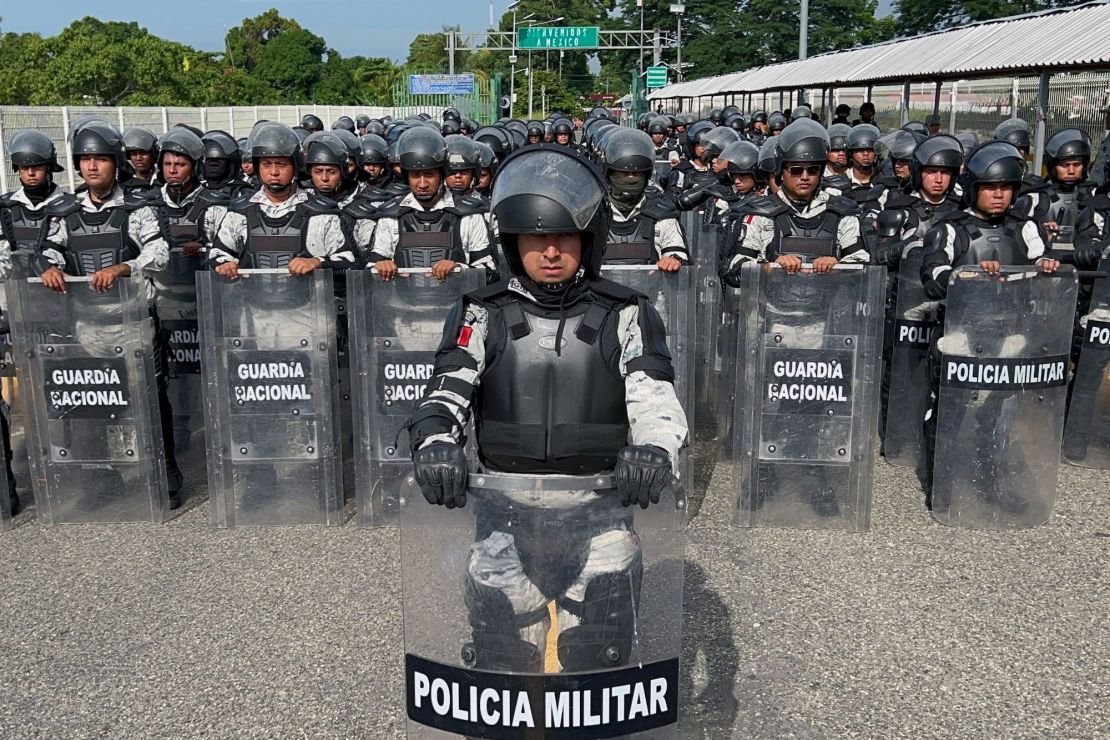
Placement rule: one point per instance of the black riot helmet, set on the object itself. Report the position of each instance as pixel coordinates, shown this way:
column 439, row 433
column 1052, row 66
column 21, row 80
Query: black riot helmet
column 181, row 141
column 801, row 111
column 1067, row 143
column 344, row 122
column 468, row 126
column 759, row 117
column 658, row 125
column 362, row 121
column 628, row 150
column 462, row 155
column 140, row 139
column 535, row 128
column 376, row 127
column 643, row 119
column 937, row 151
column 30, row 147
column 496, row 139
column 1013, row 131
column 716, row 116
column 736, row 122
column 899, row 145
column 769, row 161
column 550, row 189
column 776, row 122
column 351, row 141
column 452, row 114
column 273, row 139
column 324, row 147
column 917, row 128
column 101, row 138
column 449, row 128
column 715, row 140
column 862, row 137
column 838, row 136
column 421, row 148
column 219, row 145
column 742, row 158
column 486, row 159
column 599, row 112
column 968, row 141
column 729, row 110
column 804, row 140
column 372, row 150
column 694, row 134
column 312, row 123
column 563, row 126
column 994, row 162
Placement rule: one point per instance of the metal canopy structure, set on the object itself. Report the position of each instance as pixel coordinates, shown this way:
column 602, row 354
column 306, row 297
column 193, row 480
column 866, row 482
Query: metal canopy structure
column 1031, row 44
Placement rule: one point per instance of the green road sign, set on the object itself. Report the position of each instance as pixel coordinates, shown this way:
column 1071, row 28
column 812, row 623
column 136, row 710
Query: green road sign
column 557, row 37
column 656, row 77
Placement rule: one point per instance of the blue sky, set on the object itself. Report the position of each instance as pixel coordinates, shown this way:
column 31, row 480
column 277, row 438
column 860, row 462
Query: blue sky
column 369, row 28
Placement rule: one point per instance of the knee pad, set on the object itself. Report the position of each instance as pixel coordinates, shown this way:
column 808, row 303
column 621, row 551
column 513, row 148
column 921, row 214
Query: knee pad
column 603, row 639
column 496, row 633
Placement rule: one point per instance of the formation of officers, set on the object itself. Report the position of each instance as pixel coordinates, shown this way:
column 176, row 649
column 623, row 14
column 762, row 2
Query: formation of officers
column 414, row 193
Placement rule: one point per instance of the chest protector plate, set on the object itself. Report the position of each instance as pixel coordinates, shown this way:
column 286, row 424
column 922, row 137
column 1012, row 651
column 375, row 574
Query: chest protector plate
column 185, row 223
column 631, row 242
column 273, row 242
column 98, row 240
column 426, row 237
column 808, row 238
column 992, row 242
column 542, row 412
column 927, row 215
column 26, row 224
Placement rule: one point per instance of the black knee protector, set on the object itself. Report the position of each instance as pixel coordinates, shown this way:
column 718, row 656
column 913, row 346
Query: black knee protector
column 603, row 639
column 496, row 631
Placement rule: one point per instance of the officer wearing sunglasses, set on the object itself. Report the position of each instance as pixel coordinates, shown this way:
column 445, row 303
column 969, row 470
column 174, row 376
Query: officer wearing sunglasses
column 802, row 224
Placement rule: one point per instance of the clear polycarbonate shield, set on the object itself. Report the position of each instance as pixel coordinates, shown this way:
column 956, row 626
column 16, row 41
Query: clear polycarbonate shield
column 268, row 355
column 1087, row 432
column 396, row 328
column 92, row 424
column 543, row 608
column 707, row 320
column 5, row 500
column 807, row 396
column 915, row 319
column 672, row 295
column 176, row 300
column 1003, row 387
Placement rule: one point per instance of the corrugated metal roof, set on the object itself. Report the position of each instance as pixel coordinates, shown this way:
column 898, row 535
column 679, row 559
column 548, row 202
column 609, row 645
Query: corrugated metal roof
column 1073, row 37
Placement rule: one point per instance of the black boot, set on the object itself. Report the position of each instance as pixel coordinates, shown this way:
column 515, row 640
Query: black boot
column 13, row 497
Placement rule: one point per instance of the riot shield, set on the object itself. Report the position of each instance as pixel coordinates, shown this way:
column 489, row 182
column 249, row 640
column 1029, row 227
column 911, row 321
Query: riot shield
column 1087, row 431
column 1003, row 376
column 176, row 299
column 93, row 430
column 707, row 319
column 271, row 405
column 5, row 500
column 543, row 608
column 806, row 399
column 672, row 295
column 396, row 327
column 907, row 369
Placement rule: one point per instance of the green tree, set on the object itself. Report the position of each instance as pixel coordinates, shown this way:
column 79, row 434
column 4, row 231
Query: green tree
column 245, row 42
column 921, row 16
column 428, row 53
column 291, row 63
column 22, row 58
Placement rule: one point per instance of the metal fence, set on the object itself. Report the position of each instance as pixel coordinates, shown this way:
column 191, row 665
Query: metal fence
column 55, row 122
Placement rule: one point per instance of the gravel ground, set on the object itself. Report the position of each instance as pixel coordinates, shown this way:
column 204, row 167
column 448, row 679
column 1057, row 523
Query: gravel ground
column 909, row 630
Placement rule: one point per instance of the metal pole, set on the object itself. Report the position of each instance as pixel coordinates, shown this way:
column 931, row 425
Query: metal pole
column 3, row 157
column 512, row 69
column 204, row 119
column 119, row 113
column 1014, row 97
column 1042, row 113
column 803, row 31
column 165, row 121
column 450, row 52
column 905, row 103
column 69, row 148
column 679, row 72
column 530, row 88
column 936, row 99
column 641, row 54
column 656, row 49
column 952, row 97
column 231, row 122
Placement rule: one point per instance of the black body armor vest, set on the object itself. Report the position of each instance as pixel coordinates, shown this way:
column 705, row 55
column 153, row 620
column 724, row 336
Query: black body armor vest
column 808, row 238
column 542, row 412
column 26, row 225
column 273, row 242
column 98, row 240
column 631, row 242
column 991, row 242
column 426, row 237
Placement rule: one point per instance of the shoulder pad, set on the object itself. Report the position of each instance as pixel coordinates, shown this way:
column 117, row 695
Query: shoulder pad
column 1101, row 201
column 317, row 205
column 490, row 293
column 840, row 182
column 898, row 199
column 391, row 208
column 767, row 205
column 398, row 188
column 659, row 207
column 957, row 216
column 211, row 197
column 62, row 208
column 361, row 209
column 842, row 206
column 615, row 291
column 470, row 206
column 683, row 166
column 240, row 203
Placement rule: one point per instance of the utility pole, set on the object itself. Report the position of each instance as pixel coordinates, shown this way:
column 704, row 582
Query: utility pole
column 803, row 32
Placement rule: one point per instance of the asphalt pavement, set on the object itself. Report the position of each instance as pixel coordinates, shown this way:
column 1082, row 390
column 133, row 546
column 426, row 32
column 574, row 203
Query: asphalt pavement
column 911, row 629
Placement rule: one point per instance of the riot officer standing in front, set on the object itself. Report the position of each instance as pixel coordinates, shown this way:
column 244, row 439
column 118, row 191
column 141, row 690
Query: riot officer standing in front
column 1055, row 205
column 429, row 227
column 101, row 228
column 603, row 398
column 989, row 233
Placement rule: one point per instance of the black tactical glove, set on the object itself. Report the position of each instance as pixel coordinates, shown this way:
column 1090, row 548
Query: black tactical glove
column 690, row 199
column 440, row 469
column 1087, row 255
column 642, row 474
column 889, row 254
column 936, row 290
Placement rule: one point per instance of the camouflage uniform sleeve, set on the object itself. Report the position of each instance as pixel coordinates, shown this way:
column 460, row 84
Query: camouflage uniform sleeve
column 669, row 241
column 327, row 241
column 849, row 238
column 476, row 242
column 385, row 240
column 753, row 234
column 213, row 217
column 5, row 259
column 441, row 415
column 53, row 240
column 154, row 253
column 654, row 414
column 231, row 238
